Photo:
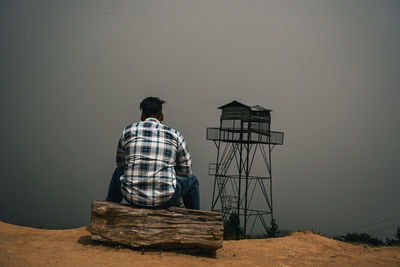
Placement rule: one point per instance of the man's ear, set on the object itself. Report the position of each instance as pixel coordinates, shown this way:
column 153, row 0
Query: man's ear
column 161, row 117
column 142, row 117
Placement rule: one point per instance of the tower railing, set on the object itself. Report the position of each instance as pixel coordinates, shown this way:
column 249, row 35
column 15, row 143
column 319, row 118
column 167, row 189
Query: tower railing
column 233, row 135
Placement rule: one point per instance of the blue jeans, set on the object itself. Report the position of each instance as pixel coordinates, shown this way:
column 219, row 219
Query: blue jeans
column 186, row 187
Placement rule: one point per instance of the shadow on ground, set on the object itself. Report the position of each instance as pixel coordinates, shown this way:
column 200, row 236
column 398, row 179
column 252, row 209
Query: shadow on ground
column 86, row 240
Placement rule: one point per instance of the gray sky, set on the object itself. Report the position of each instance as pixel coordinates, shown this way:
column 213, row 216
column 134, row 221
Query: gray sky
column 74, row 72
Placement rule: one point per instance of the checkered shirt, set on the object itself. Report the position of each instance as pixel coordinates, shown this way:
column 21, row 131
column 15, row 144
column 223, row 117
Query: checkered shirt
column 152, row 155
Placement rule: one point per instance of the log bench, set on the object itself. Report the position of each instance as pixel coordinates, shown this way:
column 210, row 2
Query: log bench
column 165, row 228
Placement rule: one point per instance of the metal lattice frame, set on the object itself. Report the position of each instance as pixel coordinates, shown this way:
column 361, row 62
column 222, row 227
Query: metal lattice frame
column 233, row 193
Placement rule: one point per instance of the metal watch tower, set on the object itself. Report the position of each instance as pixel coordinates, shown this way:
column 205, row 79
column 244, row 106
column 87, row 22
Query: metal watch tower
column 244, row 132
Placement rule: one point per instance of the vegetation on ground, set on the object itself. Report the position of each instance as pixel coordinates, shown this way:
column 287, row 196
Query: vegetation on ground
column 233, row 229
column 273, row 229
column 365, row 238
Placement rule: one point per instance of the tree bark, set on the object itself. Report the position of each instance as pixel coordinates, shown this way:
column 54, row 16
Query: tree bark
column 166, row 228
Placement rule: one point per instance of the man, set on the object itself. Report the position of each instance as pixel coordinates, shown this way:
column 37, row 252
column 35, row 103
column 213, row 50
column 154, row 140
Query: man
column 153, row 163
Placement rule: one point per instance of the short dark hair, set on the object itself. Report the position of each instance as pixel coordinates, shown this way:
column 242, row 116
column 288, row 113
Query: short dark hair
column 151, row 106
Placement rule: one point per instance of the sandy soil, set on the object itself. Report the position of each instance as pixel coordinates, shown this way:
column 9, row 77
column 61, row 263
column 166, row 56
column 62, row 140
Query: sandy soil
column 25, row 246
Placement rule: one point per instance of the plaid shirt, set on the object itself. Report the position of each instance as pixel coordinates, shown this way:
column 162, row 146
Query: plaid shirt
column 152, row 155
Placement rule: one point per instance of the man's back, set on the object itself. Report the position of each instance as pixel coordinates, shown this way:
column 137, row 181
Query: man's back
column 152, row 154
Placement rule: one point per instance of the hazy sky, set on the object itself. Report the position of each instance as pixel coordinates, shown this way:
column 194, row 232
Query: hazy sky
column 74, row 72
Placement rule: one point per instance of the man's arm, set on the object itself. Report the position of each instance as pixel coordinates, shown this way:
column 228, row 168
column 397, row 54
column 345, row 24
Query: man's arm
column 120, row 158
column 183, row 163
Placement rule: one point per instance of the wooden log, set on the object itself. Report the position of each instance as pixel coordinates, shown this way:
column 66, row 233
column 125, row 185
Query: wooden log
column 165, row 228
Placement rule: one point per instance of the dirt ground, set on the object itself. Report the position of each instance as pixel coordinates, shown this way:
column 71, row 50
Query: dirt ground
column 25, row 246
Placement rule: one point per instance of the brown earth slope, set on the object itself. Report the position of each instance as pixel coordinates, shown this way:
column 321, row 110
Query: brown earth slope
column 25, row 246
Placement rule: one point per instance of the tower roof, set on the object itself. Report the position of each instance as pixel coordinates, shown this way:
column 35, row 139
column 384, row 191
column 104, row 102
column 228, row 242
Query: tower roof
column 234, row 104
column 238, row 104
column 259, row 108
